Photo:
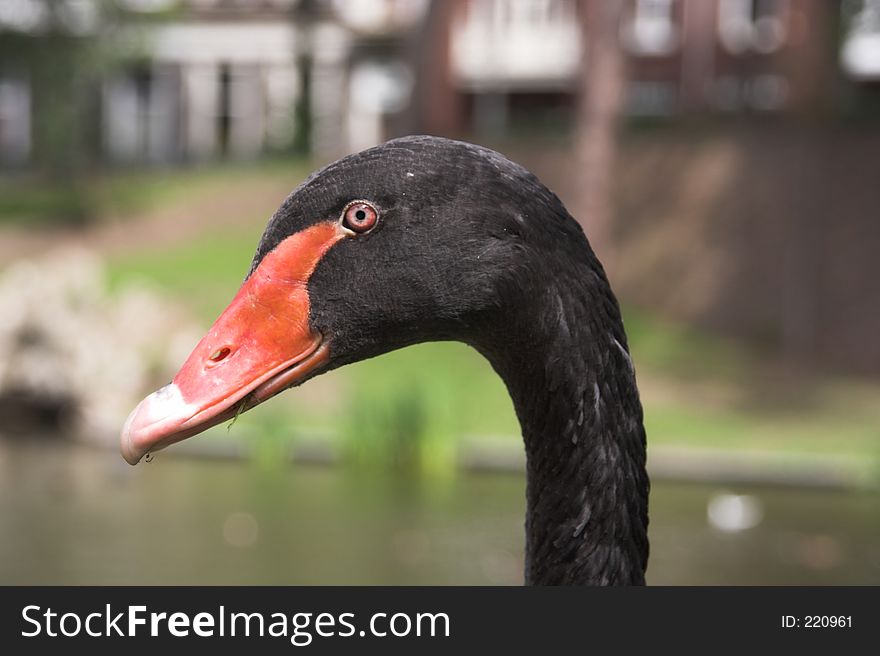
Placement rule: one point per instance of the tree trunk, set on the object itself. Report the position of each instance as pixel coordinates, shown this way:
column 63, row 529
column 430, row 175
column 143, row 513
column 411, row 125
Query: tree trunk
column 602, row 85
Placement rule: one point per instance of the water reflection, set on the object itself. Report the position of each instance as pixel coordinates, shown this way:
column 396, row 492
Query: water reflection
column 71, row 515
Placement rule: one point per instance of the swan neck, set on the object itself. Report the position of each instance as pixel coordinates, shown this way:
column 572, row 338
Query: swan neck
column 573, row 386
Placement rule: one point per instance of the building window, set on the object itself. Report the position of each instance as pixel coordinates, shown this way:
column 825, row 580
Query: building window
column 517, row 45
column 652, row 30
column 651, row 98
column 756, row 25
column 763, row 93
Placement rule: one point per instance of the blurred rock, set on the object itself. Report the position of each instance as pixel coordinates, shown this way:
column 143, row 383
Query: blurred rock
column 75, row 359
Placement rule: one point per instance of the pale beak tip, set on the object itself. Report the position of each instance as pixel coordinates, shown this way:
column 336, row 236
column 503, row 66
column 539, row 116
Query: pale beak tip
column 131, row 455
column 156, row 422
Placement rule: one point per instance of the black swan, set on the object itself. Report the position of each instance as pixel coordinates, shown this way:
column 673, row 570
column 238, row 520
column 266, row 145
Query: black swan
column 425, row 239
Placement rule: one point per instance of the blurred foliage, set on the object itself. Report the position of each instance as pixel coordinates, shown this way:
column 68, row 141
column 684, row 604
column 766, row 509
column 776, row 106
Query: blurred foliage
column 28, row 200
column 25, row 203
column 63, row 67
column 65, row 62
column 389, row 431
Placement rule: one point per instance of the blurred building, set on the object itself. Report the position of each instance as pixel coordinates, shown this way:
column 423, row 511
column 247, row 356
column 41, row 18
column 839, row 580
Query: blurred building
column 512, row 60
column 204, row 79
column 225, row 77
column 217, row 79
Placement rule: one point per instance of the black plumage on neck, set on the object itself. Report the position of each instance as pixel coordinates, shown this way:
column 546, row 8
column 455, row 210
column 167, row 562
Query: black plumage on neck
column 562, row 352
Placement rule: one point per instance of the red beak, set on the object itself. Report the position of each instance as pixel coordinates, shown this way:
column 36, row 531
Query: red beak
column 260, row 345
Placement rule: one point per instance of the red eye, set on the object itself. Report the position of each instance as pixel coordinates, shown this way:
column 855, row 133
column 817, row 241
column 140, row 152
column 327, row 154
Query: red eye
column 360, row 217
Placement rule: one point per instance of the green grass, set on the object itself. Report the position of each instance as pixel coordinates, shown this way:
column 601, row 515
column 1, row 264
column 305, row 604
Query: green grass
column 681, row 350
column 204, row 274
column 817, row 430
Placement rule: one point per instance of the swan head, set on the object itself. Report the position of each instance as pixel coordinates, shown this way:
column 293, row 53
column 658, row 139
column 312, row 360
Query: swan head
column 419, row 239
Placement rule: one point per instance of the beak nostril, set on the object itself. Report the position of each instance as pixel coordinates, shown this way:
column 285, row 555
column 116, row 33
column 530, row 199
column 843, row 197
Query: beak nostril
column 220, row 354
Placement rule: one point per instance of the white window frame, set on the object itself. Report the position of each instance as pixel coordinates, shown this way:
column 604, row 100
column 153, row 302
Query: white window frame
column 652, row 29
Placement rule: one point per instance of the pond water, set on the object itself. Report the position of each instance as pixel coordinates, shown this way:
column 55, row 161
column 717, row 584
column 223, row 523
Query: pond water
column 72, row 515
